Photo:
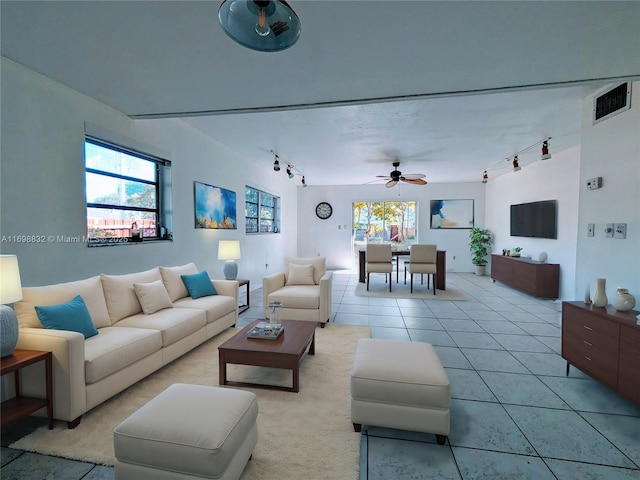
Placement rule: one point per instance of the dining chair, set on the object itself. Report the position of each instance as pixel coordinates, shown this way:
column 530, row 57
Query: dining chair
column 379, row 260
column 422, row 260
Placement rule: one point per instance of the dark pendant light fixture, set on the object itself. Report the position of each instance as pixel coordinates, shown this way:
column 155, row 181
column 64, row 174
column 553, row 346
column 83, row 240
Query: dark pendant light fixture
column 262, row 25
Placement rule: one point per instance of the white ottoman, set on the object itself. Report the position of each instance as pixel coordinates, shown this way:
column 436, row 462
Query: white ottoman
column 401, row 385
column 188, row 432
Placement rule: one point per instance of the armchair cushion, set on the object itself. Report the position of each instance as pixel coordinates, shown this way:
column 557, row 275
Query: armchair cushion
column 297, row 296
column 300, row 274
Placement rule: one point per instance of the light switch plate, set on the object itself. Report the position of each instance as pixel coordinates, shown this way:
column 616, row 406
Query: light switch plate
column 608, row 231
column 591, row 229
column 619, row 230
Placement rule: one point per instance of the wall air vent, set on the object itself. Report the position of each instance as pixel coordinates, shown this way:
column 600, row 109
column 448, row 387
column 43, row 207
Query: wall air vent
column 612, row 102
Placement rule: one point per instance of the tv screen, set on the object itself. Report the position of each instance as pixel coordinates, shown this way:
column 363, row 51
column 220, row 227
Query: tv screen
column 535, row 219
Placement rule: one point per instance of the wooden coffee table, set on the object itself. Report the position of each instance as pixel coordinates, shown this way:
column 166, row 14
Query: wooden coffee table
column 286, row 352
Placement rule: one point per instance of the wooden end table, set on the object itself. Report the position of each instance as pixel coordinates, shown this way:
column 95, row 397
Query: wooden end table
column 286, row 352
column 247, row 285
column 20, row 406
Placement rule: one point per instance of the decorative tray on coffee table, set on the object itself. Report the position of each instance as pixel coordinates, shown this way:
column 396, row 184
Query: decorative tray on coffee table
column 266, row 330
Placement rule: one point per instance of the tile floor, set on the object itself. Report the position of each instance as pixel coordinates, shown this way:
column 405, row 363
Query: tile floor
column 514, row 413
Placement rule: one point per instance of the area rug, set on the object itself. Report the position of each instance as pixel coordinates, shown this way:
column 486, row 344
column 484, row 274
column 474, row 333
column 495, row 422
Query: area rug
column 300, row 435
column 400, row 290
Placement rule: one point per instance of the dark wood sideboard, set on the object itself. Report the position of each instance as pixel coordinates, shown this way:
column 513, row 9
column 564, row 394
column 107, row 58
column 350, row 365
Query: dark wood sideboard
column 536, row 278
column 603, row 343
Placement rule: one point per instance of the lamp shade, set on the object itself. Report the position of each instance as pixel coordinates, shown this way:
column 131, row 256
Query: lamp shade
column 262, row 25
column 228, row 250
column 10, row 285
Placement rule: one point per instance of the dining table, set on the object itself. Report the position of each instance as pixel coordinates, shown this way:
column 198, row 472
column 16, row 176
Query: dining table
column 441, row 266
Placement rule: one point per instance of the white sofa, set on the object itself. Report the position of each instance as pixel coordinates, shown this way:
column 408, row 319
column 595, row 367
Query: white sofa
column 305, row 293
column 129, row 345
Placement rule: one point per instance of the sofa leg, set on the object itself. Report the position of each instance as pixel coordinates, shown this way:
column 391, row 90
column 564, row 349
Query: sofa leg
column 322, row 324
column 74, row 423
column 441, row 439
column 357, row 427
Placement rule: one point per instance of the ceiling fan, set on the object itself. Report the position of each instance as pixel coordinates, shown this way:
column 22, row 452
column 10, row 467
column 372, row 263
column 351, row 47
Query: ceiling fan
column 396, row 176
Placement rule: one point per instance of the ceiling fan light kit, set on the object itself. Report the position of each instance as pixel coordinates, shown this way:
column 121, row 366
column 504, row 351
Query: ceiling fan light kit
column 262, row 25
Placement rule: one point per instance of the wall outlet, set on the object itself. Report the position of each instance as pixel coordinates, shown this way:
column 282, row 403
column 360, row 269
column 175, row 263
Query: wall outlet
column 608, row 230
column 591, row 227
column 619, row 230
column 594, row 183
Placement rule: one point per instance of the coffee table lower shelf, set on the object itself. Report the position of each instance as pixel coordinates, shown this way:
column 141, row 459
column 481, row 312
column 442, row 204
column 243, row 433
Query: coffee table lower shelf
column 287, row 352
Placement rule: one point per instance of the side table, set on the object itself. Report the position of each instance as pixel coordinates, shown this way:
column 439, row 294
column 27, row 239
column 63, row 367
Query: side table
column 20, row 406
column 245, row 283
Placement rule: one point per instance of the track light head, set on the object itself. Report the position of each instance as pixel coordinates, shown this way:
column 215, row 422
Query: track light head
column 485, row 177
column 516, row 167
column 304, row 182
column 289, row 171
column 545, row 151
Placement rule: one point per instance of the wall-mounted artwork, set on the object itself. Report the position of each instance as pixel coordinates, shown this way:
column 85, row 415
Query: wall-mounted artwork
column 451, row 214
column 215, row 207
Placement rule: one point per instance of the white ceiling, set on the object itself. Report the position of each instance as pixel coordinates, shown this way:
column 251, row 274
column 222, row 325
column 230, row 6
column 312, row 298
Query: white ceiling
column 448, row 88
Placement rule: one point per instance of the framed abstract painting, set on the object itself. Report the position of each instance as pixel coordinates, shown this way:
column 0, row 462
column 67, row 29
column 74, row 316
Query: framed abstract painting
column 215, row 207
column 451, row 214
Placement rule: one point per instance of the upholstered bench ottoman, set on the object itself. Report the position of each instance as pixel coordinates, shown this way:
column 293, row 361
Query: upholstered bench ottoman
column 397, row 384
column 188, row 432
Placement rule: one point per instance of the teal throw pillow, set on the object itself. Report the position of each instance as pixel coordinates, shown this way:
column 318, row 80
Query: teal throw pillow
column 73, row 316
column 199, row 284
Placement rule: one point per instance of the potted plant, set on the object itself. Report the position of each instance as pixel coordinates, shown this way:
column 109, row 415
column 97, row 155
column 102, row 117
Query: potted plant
column 480, row 240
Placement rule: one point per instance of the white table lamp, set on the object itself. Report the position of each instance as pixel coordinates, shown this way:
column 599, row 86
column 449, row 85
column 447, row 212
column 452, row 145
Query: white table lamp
column 10, row 292
column 229, row 250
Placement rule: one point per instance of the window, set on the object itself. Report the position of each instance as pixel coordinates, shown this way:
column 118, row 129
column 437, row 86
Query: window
column 384, row 222
column 261, row 211
column 127, row 194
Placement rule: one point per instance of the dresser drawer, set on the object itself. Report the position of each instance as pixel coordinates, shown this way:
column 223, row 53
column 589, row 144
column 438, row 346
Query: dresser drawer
column 600, row 364
column 591, row 330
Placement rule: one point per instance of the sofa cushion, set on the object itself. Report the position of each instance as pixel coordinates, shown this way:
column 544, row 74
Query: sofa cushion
column 173, row 323
column 116, row 348
column 72, row 316
column 318, row 263
column 199, row 284
column 89, row 289
column 300, row 274
column 171, row 277
column 119, row 293
column 216, row 306
column 152, row 296
column 297, row 296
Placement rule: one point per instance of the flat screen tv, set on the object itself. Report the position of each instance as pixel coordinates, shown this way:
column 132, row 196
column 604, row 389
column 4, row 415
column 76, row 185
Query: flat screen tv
column 535, row 219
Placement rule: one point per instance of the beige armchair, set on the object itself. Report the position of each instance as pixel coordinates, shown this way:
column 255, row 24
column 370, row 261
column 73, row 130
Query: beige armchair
column 422, row 260
column 379, row 260
column 304, row 289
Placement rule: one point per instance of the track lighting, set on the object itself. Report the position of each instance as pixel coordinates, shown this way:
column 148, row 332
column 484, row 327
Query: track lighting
column 545, row 151
column 276, row 164
column 485, row 177
column 516, row 167
column 289, row 172
column 304, row 183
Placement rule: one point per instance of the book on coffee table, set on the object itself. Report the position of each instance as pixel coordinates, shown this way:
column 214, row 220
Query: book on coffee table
column 265, row 330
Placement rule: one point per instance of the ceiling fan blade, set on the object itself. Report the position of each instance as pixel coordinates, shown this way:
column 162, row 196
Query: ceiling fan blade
column 391, row 183
column 415, row 181
column 413, row 176
column 383, row 176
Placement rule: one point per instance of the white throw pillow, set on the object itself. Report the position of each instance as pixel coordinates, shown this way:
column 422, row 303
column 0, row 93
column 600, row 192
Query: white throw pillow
column 300, row 275
column 152, row 296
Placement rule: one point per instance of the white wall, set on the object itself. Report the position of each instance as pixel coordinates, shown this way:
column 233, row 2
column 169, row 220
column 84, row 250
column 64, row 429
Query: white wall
column 42, row 187
column 611, row 150
column 332, row 238
column 553, row 179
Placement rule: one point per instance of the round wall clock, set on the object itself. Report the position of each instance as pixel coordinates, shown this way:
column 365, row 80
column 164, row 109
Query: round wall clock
column 324, row 210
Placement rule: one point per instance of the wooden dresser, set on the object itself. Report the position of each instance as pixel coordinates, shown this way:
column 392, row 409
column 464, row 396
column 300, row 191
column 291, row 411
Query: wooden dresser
column 603, row 343
column 536, row 278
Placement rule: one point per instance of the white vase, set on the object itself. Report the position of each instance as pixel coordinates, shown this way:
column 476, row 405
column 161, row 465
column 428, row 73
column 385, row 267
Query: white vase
column 624, row 300
column 600, row 297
